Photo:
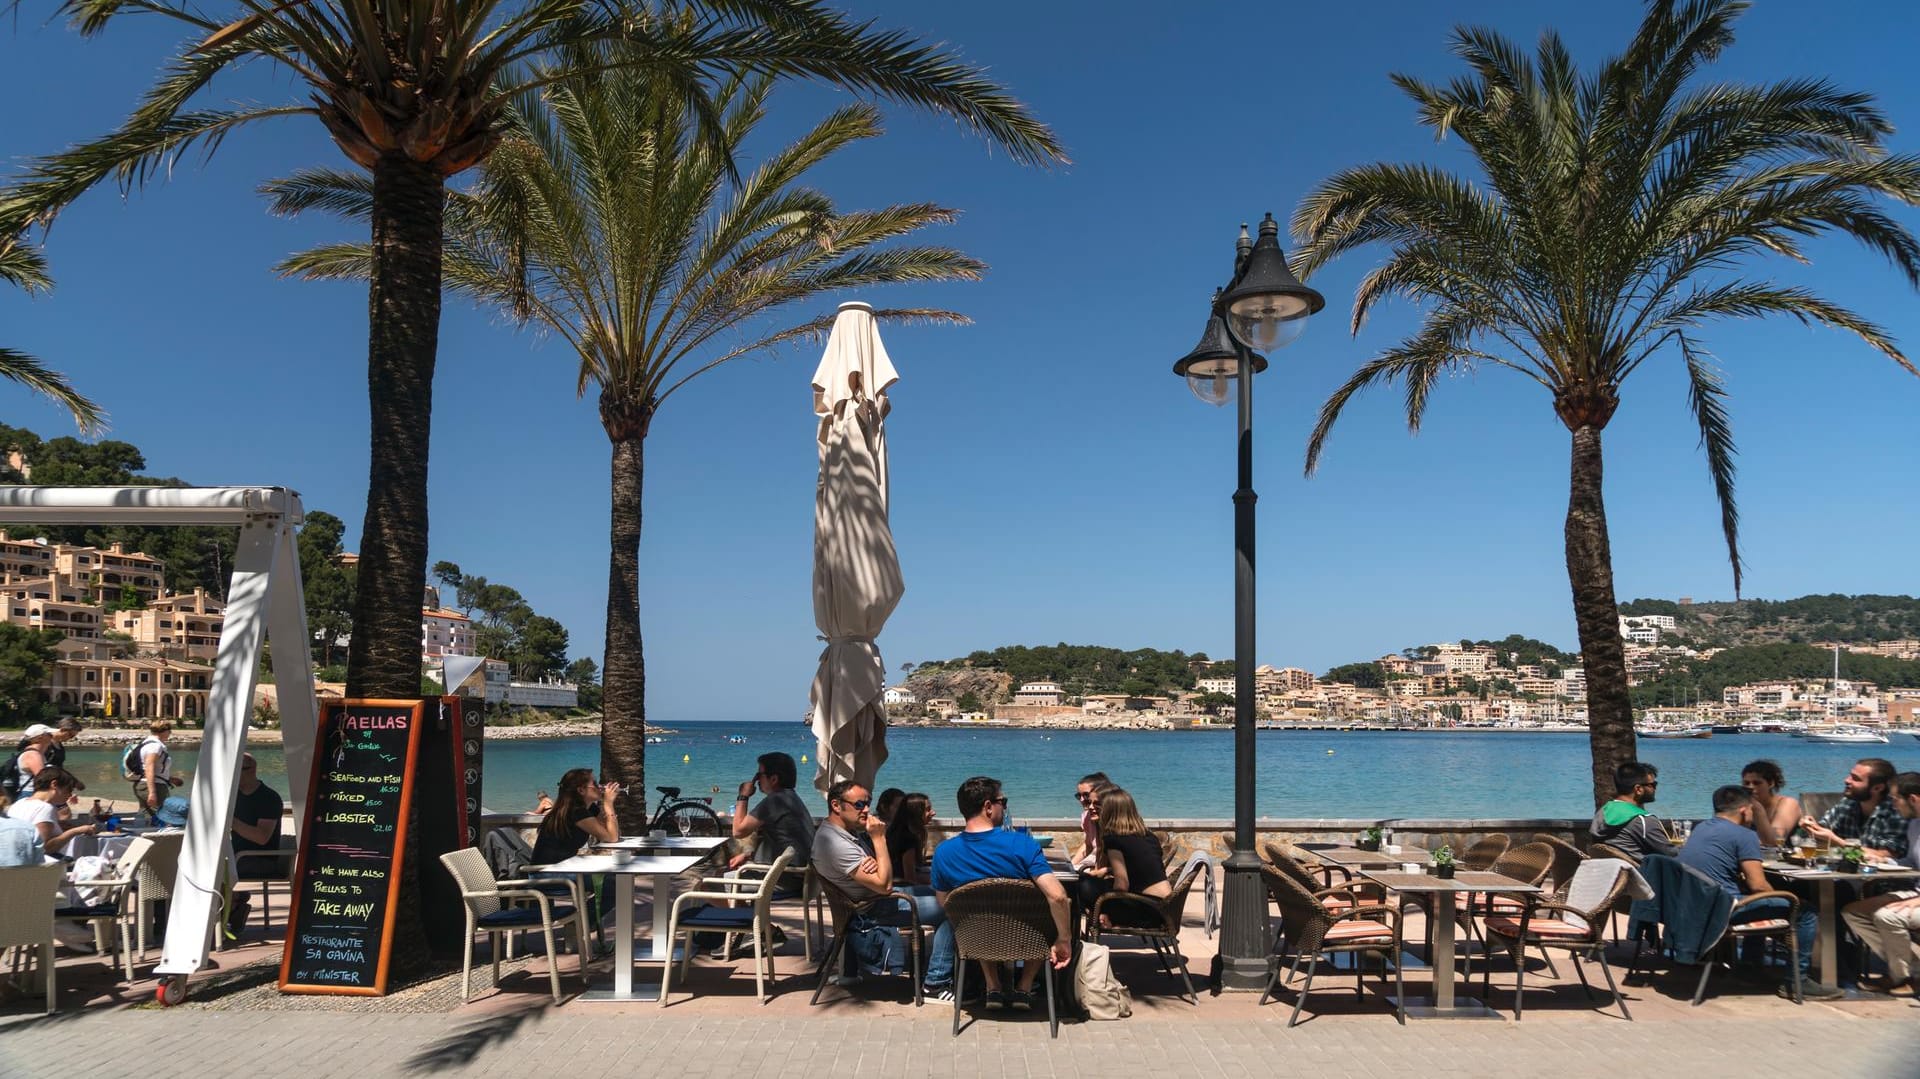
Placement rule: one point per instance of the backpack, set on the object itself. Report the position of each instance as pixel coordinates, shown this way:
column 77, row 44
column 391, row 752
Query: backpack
column 10, row 775
column 131, row 766
column 1094, row 985
column 877, row 949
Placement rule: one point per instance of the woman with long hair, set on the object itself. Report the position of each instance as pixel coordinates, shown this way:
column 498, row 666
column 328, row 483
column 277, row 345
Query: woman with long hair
column 1135, row 862
column 907, row 838
column 1777, row 814
column 582, row 812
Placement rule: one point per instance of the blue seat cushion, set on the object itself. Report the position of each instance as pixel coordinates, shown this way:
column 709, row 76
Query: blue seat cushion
column 548, row 885
column 710, row 917
column 514, row 917
column 98, row 910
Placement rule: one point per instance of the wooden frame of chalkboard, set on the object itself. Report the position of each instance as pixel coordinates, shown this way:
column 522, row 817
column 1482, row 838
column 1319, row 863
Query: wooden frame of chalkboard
column 339, row 929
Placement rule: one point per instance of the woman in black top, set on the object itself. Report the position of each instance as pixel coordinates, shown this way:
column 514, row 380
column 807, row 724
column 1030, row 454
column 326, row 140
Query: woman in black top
column 583, row 812
column 907, row 838
column 1135, row 862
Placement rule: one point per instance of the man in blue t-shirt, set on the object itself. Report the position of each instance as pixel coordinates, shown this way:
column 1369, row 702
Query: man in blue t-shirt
column 1725, row 848
column 986, row 850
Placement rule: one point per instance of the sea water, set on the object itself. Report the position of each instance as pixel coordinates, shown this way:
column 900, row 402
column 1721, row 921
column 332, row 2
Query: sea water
column 1170, row 773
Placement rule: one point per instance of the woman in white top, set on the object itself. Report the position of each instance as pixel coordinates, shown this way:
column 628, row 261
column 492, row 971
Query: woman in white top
column 57, row 786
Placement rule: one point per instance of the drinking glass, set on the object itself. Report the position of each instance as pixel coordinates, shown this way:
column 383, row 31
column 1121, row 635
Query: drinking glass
column 683, row 823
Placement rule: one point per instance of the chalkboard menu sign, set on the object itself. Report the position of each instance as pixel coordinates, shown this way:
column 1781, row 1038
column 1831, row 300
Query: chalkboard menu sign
column 352, row 843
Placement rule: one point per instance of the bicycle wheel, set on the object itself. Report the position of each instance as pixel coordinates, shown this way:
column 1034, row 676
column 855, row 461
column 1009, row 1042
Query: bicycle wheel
column 699, row 819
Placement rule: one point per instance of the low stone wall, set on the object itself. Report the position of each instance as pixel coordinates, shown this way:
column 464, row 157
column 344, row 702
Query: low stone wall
column 1216, row 834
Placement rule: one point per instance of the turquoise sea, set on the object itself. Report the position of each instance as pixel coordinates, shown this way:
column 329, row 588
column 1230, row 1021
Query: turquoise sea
column 1174, row 773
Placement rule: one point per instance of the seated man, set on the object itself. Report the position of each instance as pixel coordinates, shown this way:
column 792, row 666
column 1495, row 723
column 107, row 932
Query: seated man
column 1624, row 822
column 1866, row 815
column 850, row 853
column 1726, row 849
column 781, row 820
column 1887, row 922
column 985, row 850
column 256, row 827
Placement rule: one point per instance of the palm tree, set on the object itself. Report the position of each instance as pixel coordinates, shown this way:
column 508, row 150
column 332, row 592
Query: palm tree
column 25, row 269
column 411, row 93
column 1615, row 216
column 607, row 220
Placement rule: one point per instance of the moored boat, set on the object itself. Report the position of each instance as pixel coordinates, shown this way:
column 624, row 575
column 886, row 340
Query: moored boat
column 1848, row 736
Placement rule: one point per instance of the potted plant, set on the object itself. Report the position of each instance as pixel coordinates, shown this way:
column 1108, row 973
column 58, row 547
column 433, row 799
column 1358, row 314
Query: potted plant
column 1851, row 859
column 1443, row 862
column 1369, row 839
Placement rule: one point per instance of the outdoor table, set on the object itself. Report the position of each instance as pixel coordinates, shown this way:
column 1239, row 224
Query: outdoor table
column 1442, row 910
column 663, row 869
column 1826, row 948
column 1355, row 858
column 107, row 845
column 673, row 844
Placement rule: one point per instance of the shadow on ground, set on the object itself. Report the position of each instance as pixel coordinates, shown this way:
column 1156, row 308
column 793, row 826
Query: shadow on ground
column 465, row 1045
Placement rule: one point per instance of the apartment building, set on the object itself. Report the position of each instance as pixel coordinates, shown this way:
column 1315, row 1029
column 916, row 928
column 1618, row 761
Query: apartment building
column 86, row 681
column 1042, row 693
column 178, row 626
column 445, row 632
column 1217, row 685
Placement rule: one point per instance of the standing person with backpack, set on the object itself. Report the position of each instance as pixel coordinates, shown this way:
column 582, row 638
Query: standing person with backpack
column 150, row 767
column 18, row 772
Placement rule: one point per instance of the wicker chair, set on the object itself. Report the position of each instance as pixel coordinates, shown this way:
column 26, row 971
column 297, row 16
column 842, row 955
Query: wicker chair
column 1566, row 859
column 1778, row 928
column 1336, row 897
column 1580, row 931
column 1308, row 930
column 1608, row 850
column 696, row 911
column 1624, row 906
column 1277, row 853
column 1527, row 863
column 27, row 898
column 1001, row 920
column 154, row 880
column 843, row 908
column 490, row 910
column 1481, row 854
column 1156, row 921
column 115, row 906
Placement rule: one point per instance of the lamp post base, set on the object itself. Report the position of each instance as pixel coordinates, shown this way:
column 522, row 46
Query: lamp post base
column 1244, row 940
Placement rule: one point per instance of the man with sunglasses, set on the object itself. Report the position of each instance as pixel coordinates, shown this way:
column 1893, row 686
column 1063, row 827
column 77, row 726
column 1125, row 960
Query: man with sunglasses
column 1624, row 822
column 987, row 850
column 850, row 853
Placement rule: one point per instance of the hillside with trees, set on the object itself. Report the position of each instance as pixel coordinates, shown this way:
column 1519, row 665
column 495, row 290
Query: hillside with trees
column 1082, row 669
column 1846, row 619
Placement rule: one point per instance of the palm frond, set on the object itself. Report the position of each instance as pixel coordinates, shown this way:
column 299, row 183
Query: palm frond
column 20, row 368
column 1707, row 396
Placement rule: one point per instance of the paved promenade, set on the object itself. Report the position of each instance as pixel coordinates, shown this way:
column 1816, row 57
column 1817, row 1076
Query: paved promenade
column 578, row 1040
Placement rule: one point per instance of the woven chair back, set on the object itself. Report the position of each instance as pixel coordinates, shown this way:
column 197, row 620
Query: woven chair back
column 1566, row 859
column 28, row 895
column 1483, row 851
column 1527, row 863
column 1608, row 850
column 1000, row 920
column 472, row 873
column 763, row 899
column 1287, row 864
column 160, row 866
column 1303, row 918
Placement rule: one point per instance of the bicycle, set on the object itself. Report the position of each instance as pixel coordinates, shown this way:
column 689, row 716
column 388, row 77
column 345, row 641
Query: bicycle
column 685, row 816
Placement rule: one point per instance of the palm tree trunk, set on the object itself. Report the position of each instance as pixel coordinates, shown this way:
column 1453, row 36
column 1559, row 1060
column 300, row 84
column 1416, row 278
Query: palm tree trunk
column 409, row 201
column 623, row 704
column 403, row 301
column 1596, row 615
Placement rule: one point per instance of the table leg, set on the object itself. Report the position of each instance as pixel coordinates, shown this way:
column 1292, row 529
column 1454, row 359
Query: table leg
column 1827, row 949
column 623, row 935
column 662, row 908
column 1443, row 930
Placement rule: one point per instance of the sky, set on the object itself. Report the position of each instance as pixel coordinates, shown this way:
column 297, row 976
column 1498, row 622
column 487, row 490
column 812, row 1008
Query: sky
column 1052, row 480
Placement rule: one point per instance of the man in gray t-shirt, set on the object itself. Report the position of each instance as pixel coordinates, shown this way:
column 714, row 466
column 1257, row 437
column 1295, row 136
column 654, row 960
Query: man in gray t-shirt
column 850, row 853
column 781, row 820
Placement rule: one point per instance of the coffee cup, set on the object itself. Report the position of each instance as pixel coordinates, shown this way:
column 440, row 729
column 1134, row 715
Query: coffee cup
column 622, row 855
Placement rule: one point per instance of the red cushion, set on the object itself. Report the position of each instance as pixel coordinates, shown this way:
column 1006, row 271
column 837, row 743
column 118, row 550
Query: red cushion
column 1508, row 926
column 1347, row 932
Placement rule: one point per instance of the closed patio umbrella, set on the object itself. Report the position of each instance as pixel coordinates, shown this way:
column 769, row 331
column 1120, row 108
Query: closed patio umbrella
column 856, row 572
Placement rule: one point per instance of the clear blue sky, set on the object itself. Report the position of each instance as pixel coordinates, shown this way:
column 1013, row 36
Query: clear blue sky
column 1052, row 480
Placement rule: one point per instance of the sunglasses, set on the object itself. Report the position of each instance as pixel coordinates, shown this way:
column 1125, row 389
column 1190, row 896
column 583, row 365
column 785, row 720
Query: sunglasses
column 861, row 804
column 1083, row 797
column 1000, row 801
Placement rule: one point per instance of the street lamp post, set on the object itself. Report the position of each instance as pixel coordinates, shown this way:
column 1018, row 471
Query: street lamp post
column 1262, row 309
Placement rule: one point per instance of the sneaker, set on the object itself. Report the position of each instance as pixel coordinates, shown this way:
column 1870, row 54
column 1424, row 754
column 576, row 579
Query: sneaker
column 1812, row 990
column 1020, row 1000
column 996, row 1000
column 937, row 994
column 844, row 981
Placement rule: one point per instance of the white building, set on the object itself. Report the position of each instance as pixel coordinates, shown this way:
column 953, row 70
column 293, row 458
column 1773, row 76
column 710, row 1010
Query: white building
column 542, row 694
column 1214, row 685
column 445, row 632
column 1646, row 628
column 1046, row 693
column 900, row 695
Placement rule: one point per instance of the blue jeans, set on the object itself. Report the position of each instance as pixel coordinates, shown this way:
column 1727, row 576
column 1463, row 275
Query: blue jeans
column 1804, row 928
column 940, row 958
